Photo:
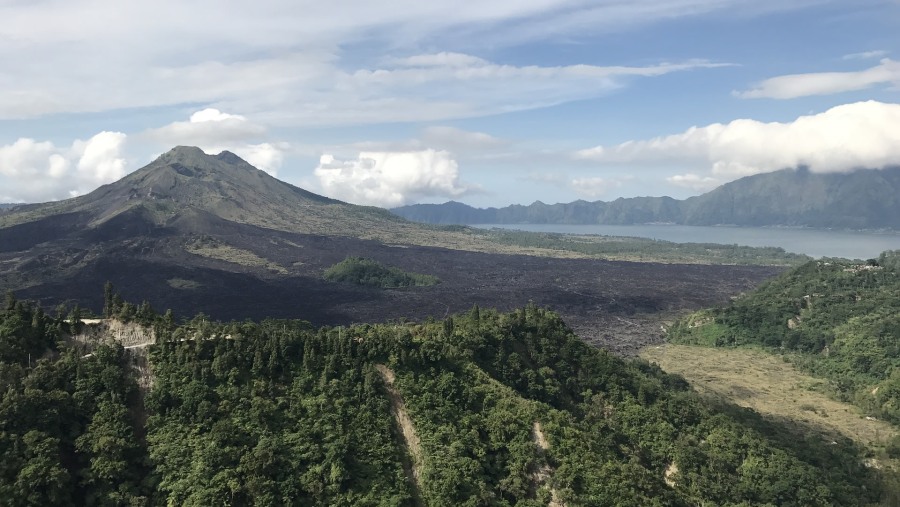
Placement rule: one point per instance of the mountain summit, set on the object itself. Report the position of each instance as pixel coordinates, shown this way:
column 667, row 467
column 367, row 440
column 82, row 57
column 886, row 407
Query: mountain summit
column 187, row 180
column 200, row 232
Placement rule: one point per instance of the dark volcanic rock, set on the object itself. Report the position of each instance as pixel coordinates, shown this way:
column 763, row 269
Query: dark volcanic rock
column 199, row 233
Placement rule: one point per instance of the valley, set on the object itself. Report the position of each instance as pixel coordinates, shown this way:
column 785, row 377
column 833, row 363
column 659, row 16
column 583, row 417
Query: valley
column 212, row 234
column 619, row 305
column 422, row 364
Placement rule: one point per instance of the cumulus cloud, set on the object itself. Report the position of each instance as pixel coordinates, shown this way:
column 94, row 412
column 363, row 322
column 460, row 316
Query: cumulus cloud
column 207, row 127
column 265, row 156
column 843, row 138
column 824, row 83
column 100, row 158
column 391, row 179
column 32, row 171
column 214, row 131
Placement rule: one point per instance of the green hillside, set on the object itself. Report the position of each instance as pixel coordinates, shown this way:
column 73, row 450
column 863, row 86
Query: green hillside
column 837, row 319
column 362, row 271
column 483, row 408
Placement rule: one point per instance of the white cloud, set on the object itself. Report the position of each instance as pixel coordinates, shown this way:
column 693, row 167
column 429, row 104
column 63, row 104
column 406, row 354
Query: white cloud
column 208, row 127
column 292, row 64
column 214, row 131
column 100, row 159
column 209, row 114
column 843, row 138
column 460, row 141
column 32, row 171
column 824, row 83
column 694, row 182
column 265, row 156
column 443, row 59
column 865, row 55
column 391, row 179
column 463, row 145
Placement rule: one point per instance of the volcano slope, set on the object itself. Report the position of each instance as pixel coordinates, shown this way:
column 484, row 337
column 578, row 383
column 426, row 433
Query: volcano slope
column 212, row 234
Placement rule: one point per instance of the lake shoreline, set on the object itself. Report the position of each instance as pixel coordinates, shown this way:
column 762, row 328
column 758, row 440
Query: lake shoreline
column 849, row 244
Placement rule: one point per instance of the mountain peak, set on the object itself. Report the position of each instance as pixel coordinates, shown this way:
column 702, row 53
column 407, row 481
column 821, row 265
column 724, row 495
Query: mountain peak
column 229, row 158
column 195, row 158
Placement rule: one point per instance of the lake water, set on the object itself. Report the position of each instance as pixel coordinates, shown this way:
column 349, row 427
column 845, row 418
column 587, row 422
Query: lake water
column 813, row 242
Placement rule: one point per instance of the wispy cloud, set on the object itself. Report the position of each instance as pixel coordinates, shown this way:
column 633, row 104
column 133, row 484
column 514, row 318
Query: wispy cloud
column 594, row 187
column 866, row 55
column 824, row 83
column 281, row 62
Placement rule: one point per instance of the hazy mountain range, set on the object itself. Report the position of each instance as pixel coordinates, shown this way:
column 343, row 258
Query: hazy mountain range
column 863, row 199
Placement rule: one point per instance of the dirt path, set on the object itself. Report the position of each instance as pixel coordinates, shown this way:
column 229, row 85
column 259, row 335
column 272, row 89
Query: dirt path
column 413, row 467
column 543, row 474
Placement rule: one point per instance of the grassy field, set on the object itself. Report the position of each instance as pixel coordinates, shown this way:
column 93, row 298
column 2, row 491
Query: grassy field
column 769, row 385
column 229, row 253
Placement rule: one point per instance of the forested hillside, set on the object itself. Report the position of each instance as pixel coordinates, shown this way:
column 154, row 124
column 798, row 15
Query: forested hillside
column 862, row 199
column 835, row 318
column 483, row 408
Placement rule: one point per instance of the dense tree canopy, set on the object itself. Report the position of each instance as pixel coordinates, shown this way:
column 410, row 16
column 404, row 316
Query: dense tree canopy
column 506, row 409
column 362, row 271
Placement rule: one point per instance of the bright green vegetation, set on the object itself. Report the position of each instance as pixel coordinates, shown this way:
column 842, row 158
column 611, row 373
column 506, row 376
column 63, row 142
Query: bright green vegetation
column 643, row 249
column 834, row 318
column 506, row 409
column 361, row 271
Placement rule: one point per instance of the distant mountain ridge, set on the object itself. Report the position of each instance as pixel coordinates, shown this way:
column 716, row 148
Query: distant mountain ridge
column 863, row 199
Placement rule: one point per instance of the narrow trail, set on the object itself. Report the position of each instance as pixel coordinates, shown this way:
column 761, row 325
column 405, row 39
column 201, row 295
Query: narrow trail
column 544, row 473
column 413, row 465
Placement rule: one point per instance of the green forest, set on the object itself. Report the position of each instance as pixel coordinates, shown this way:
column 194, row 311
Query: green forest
column 483, row 408
column 835, row 318
column 368, row 272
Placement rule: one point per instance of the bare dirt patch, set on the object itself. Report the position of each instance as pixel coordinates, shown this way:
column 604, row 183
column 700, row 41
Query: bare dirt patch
column 767, row 384
column 670, row 474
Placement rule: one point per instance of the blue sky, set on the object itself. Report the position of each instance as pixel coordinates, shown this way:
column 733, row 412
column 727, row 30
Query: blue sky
column 489, row 103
